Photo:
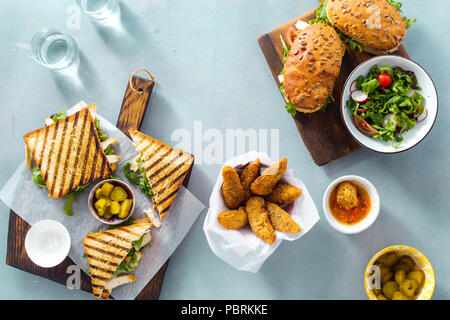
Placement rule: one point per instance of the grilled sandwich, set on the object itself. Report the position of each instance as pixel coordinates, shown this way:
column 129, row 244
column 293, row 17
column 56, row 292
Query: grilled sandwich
column 69, row 152
column 165, row 169
column 107, row 250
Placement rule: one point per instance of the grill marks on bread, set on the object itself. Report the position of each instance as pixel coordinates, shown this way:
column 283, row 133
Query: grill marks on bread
column 106, row 250
column 68, row 153
column 165, row 168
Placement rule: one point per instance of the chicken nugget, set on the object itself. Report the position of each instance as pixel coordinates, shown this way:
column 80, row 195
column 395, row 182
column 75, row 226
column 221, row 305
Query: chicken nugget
column 259, row 219
column 284, row 194
column 281, row 220
column 248, row 175
column 347, row 195
column 232, row 190
column 233, row 219
column 265, row 183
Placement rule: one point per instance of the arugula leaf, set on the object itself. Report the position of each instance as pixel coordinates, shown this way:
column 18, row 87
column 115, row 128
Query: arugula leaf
column 139, row 179
column 37, row 178
column 101, row 135
column 285, row 49
column 59, row 116
column 291, row 109
column 72, row 196
column 370, row 86
column 409, row 22
column 396, row 4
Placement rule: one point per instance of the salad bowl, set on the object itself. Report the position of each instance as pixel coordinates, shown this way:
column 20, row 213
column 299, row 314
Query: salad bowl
column 422, row 126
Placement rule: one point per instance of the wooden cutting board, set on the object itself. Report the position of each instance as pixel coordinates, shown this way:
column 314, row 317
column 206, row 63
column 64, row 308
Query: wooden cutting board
column 323, row 133
column 131, row 115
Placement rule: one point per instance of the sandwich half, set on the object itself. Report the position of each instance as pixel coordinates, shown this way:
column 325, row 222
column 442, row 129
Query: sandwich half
column 163, row 168
column 311, row 68
column 376, row 26
column 113, row 253
column 68, row 153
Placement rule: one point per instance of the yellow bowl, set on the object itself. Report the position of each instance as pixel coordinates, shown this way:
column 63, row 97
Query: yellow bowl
column 428, row 287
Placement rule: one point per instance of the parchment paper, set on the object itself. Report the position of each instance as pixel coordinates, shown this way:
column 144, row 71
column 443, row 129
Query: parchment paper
column 33, row 204
column 242, row 249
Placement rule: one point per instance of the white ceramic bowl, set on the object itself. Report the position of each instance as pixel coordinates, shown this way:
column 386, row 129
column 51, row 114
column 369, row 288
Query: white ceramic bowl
column 47, row 243
column 364, row 223
column 411, row 137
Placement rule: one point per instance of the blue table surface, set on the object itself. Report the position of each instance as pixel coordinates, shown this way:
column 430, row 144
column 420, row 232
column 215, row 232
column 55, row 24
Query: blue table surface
column 209, row 68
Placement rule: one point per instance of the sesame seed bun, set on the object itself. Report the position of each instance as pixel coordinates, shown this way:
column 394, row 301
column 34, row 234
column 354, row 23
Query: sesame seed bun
column 377, row 25
column 312, row 66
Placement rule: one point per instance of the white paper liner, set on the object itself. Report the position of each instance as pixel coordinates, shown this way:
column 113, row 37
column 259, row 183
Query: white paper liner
column 242, row 249
column 33, row 204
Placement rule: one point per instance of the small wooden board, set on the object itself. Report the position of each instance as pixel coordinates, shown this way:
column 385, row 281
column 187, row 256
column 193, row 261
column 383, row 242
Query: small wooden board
column 323, row 133
column 131, row 115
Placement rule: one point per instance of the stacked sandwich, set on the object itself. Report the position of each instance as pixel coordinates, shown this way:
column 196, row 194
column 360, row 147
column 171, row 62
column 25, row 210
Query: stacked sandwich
column 313, row 52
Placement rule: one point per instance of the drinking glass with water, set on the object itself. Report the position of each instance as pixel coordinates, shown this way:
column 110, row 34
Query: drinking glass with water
column 55, row 50
column 100, row 9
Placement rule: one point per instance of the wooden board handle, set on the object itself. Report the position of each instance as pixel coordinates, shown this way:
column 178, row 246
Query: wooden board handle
column 134, row 104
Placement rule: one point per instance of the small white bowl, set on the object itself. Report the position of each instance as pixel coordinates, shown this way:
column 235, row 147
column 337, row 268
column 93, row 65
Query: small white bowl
column 411, row 137
column 364, row 223
column 47, row 243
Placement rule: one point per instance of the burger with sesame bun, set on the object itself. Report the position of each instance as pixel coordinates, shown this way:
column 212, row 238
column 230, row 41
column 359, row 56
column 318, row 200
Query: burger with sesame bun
column 312, row 61
column 375, row 26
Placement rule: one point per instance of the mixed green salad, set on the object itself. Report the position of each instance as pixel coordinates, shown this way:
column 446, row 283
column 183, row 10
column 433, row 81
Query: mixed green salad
column 321, row 17
column 72, row 195
column 388, row 101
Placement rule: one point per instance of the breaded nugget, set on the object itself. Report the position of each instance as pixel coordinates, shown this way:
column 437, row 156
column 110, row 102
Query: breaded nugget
column 248, row 175
column 284, row 194
column 281, row 220
column 259, row 219
column 233, row 219
column 264, row 184
column 232, row 190
column 347, row 195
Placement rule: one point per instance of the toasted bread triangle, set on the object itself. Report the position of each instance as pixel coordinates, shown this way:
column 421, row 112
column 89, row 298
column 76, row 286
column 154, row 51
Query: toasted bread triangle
column 105, row 251
column 68, row 153
column 165, row 168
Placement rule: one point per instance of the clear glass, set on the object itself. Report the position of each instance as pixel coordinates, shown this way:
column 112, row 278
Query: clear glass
column 100, row 9
column 54, row 49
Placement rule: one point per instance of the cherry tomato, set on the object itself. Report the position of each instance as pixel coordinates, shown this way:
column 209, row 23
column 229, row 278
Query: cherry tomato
column 384, row 79
column 290, row 35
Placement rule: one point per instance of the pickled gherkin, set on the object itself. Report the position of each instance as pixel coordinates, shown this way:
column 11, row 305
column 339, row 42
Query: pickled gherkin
column 125, row 208
column 115, row 207
column 107, row 188
column 390, row 288
column 400, row 276
column 119, row 194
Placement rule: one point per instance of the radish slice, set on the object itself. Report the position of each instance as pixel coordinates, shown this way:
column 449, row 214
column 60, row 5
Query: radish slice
column 423, row 116
column 353, row 87
column 360, row 96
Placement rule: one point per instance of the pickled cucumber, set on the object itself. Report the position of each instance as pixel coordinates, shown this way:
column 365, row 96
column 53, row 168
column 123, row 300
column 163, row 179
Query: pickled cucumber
column 389, row 289
column 125, row 208
column 391, row 259
column 107, row 188
column 418, row 275
column 400, row 276
column 409, row 287
column 399, row 296
column 119, row 194
column 100, row 205
column 115, row 207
